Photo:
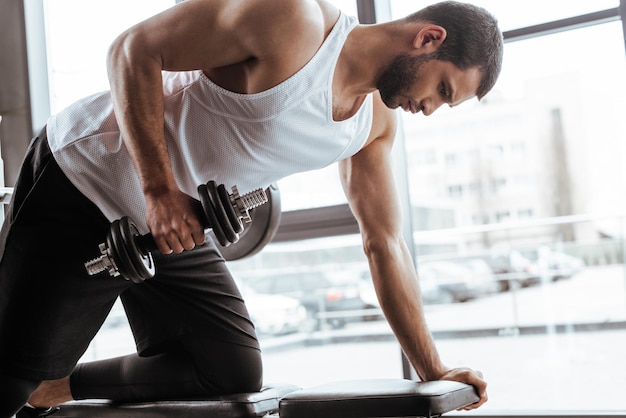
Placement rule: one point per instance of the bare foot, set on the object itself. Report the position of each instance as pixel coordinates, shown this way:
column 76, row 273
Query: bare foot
column 51, row 393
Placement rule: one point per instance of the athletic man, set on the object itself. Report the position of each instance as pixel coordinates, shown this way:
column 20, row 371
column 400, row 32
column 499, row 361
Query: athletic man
column 241, row 92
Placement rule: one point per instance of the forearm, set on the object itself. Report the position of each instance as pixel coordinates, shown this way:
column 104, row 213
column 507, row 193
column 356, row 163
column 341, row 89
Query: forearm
column 391, row 264
column 400, row 298
column 137, row 94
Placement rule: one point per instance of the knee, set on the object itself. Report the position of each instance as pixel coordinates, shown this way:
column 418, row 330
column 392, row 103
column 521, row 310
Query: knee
column 248, row 379
column 241, row 372
column 244, row 375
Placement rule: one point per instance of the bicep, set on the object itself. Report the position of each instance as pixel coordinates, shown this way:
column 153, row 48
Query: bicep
column 369, row 185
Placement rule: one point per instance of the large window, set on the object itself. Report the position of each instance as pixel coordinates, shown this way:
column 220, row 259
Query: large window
column 517, row 212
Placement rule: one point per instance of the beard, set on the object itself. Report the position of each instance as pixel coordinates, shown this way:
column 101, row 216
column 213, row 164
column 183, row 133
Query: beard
column 400, row 75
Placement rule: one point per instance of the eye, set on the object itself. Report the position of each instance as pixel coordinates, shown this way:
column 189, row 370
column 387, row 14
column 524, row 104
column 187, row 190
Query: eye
column 443, row 90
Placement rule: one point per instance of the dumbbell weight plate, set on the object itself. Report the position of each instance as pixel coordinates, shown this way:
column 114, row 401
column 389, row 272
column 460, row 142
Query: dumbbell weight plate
column 258, row 233
column 142, row 262
column 220, row 207
column 117, row 246
column 207, row 205
column 224, row 196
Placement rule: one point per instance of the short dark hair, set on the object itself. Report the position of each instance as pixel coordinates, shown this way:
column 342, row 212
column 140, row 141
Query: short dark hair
column 473, row 39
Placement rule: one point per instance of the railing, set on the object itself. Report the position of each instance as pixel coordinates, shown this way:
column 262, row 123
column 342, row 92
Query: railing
column 598, row 241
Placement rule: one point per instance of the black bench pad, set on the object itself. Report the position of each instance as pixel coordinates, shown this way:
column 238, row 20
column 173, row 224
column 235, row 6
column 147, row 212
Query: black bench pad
column 242, row 405
column 377, row 398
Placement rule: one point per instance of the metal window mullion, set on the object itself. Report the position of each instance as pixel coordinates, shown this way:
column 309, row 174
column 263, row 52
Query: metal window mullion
column 34, row 21
column 622, row 13
column 366, row 10
column 561, row 25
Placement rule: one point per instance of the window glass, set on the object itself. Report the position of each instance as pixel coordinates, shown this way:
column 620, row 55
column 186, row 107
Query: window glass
column 78, row 34
column 347, row 6
column 312, row 189
column 547, row 139
column 514, row 15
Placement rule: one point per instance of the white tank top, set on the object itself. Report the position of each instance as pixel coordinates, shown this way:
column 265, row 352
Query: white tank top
column 248, row 140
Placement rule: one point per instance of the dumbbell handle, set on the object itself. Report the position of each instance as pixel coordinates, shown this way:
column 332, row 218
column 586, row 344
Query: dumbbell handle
column 146, row 243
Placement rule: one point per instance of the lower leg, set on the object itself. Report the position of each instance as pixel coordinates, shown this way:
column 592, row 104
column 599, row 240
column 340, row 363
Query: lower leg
column 196, row 368
column 137, row 379
column 120, row 379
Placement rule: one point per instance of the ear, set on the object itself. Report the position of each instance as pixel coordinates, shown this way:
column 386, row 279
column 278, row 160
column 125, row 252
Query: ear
column 429, row 38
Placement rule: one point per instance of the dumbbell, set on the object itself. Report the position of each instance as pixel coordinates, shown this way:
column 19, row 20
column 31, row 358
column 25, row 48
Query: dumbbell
column 127, row 253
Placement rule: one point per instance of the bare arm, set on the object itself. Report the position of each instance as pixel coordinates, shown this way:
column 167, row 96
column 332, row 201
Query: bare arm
column 371, row 191
column 195, row 34
column 368, row 181
column 136, row 88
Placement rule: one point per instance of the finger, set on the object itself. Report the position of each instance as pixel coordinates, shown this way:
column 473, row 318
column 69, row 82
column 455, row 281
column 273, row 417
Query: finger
column 176, row 248
column 163, row 246
column 482, row 399
column 179, row 237
column 189, row 242
column 198, row 236
column 191, row 235
column 481, row 389
column 162, row 239
column 475, row 378
column 174, row 243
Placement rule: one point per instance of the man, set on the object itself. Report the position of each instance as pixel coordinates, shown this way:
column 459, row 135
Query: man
column 240, row 92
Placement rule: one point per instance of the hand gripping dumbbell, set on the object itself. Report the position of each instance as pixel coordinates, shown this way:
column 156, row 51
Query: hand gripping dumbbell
column 126, row 253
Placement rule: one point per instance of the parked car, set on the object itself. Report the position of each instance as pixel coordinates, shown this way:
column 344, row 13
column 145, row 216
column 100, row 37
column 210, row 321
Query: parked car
column 509, row 267
column 274, row 314
column 553, row 265
column 445, row 282
column 316, row 291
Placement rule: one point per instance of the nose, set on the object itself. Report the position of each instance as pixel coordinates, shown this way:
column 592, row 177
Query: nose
column 430, row 106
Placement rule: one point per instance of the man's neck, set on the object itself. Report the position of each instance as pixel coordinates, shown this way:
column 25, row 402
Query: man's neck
column 365, row 55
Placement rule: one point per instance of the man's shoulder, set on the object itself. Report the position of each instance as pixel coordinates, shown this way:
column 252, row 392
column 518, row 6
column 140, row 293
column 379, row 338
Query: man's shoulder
column 293, row 26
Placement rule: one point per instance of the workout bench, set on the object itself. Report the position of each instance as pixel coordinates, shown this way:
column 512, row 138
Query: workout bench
column 367, row 398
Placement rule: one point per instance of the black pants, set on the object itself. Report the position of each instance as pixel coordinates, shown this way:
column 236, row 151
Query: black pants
column 191, row 312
